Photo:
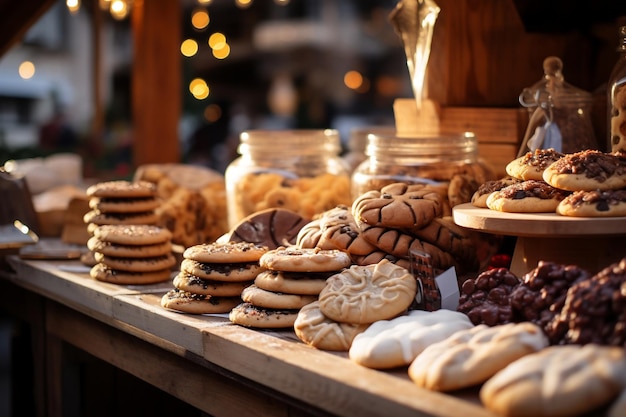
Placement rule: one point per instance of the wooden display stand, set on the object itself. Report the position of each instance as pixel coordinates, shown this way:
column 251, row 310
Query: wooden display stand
column 591, row 243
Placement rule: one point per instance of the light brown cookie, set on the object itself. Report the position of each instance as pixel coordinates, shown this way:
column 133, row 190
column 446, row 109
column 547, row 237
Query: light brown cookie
column 129, row 251
column 587, row 171
column 233, row 272
column 187, row 302
column 305, row 283
column 230, row 252
column 270, row 228
column 479, row 199
column 122, row 188
column 146, row 264
column 123, row 204
column 527, row 197
column 471, row 356
column 365, row 294
column 248, row 315
column 315, row 329
column 557, row 381
column 101, row 272
column 461, row 189
column 137, row 234
column 449, row 237
column 294, row 259
column 377, row 256
column 98, row 218
column 310, row 236
column 275, row 300
column 398, row 205
column 340, row 231
column 608, row 203
column 190, row 283
column 531, row 165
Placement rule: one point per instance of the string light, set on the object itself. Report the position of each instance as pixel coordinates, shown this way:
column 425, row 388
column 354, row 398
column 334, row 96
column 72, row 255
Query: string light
column 73, row 6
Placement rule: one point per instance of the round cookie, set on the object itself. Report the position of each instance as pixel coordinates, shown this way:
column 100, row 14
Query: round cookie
column 123, row 204
column 527, row 197
column 187, row 302
column 233, row 272
column 102, row 272
column 479, row 199
column 365, row 294
column 190, row 283
column 532, row 165
column 315, row 329
column 99, row 218
column 137, row 234
column 461, row 189
column 307, row 283
column 230, row 252
column 122, row 188
column 398, row 205
column 248, row 315
column 147, row 264
column 293, row 259
column 608, row 203
column 340, row 231
column 449, row 237
column 377, row 256
column 268, row 299
column 310, row 236
column 128, row 251
column 271, row 228
column 587, row 171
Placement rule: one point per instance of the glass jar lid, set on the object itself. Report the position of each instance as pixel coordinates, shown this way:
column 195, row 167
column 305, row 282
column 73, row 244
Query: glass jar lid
column 301, row 141
column 447, row 145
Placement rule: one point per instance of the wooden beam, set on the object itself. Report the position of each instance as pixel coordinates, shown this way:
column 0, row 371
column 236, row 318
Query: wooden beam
column 16, row 17
column 156, row 78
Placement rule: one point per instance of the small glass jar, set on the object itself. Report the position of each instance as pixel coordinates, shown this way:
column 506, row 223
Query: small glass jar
column 357, row 142
column 430, row 159
column 299, row 170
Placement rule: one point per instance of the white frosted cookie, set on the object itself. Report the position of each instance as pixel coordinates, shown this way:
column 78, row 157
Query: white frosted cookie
column 305, row 283
column 232, row 272
column 526, row 197
column 365, row 294
column 187, row 302
column 608, row 203
column 315, row 329
column 268, row 299
column 248, row 315
column 471, row 356
column 531, row 165
column 392, row 343
column 294, row 259
column 230, row 252
column 587, row 170
column 563, row 380
column 190, row 283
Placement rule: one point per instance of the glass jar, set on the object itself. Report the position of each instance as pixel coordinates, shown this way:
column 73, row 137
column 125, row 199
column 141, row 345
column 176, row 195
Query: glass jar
column 559, row 113
column 616, row 95
column 357, row 142
column 429, row 159
column 299, row 170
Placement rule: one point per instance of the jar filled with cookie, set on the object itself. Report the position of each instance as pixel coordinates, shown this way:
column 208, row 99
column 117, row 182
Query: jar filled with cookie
column 616, row 96
column 298, row 170
column 447, row 162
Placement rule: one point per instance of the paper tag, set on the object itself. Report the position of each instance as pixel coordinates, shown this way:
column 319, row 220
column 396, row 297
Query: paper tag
column 448, row 286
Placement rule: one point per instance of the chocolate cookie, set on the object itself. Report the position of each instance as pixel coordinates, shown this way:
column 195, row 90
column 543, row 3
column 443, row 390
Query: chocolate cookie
column 530, row 196
column 596, row 203
column 587, row 170
column 271, row 228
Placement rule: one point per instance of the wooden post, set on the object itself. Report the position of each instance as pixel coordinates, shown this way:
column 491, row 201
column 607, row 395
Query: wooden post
column 156, row 78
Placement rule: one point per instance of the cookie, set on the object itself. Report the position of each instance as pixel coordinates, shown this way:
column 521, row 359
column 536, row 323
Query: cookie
column 527, row 197
column 310, row 236
column 122, row 188
column 377, row 256
column 231, row 252
column 270, row 228
column 190, row 283
column 248, row 315
column 129, row 251
column 587, row 171
column 471, row 356
column 479, row 198
column 461, row 189
column 99, row 218
column 607, row 203
column 144, row 264
column 294, row 259
column 275, row 300
column 387, row 344
column 398, row 205
column 557, row 381
column 233, row 272
column 137, row 234
column 307, row 283
column 123, row 204
column 102, row 272
column 531, row 165
column 187, row 302
column 315, row 329
column 365, row 294
column 340, row 231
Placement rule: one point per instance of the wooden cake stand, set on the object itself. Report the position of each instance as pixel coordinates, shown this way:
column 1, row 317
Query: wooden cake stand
column 591, row 243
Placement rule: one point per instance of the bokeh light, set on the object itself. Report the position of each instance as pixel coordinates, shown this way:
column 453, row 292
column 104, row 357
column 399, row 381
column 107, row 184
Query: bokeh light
column 217, row 40
column 199, row 88
column 189, row 47
column 200, row 19
column 26, row 70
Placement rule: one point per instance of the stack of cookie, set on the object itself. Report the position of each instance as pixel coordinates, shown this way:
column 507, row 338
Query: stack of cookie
column 131, row 254
column 293, row 278
column 120, row 202
column 212, row 277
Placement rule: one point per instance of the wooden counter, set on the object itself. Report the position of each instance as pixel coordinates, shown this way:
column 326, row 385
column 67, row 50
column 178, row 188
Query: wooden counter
column 206, row 361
